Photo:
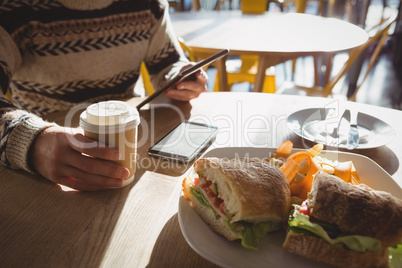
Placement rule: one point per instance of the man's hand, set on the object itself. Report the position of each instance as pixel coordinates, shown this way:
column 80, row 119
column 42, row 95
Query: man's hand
column 187, row 89
column 66, row 156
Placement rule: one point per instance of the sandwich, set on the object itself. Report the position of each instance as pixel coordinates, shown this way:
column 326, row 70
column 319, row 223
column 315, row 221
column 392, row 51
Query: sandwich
column 345, row 225
column 239, row 198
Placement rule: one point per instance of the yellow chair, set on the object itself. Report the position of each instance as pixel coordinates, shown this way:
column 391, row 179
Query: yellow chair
column 8, row 95
column 249, row 63
column 146, row 80
column 259, row 6
column 145, row 75
column 247, row 73
column 187, row 50
column 254, row 6
column 377, row 37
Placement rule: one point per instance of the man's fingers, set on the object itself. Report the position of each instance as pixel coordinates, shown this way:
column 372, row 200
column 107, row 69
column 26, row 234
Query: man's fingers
column 187, row 90
column 97, row 166
column 85, row 145
column 202, row 76
column 182, row 94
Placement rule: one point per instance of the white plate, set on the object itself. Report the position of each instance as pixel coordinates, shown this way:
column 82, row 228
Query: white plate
column 218, row 250
column 310, row 124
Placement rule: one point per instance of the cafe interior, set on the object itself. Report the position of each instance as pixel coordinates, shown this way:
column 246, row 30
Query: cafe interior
column 383, row 84
column 312, row 85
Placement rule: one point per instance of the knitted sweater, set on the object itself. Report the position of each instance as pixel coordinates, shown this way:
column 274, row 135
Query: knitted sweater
column 56, row 54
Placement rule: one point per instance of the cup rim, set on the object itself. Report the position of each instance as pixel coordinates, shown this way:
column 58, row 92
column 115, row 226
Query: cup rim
column 131, row 119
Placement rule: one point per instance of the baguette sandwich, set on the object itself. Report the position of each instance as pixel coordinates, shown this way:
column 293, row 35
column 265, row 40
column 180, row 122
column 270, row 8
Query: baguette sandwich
column 345, row 225
column 239, row 198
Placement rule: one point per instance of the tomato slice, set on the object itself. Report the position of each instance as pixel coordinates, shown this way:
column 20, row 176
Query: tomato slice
column 216, row 201
column 304, row 209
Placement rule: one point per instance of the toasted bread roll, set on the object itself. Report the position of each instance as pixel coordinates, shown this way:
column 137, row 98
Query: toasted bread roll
column 239, row 198
column 217, row 224
column 252, row 189
column 356, row 209
column 320, row 250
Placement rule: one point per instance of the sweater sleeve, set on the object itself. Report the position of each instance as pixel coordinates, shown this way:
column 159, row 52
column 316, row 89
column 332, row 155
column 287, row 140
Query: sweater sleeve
column 18, row 128
column 165, row 57
column 18, row 131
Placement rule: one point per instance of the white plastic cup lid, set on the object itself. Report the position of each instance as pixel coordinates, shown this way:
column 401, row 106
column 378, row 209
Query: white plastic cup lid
column 110, row 116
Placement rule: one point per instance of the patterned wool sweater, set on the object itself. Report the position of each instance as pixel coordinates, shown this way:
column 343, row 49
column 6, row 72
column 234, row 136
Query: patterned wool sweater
column 56, row 54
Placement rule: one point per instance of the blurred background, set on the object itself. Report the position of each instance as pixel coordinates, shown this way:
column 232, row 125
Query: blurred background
column 383, row 86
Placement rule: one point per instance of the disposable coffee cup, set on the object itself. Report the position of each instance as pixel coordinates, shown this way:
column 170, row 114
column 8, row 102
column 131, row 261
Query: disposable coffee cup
column 114, row 123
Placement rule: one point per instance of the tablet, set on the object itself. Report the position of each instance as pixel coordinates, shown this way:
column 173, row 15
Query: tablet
column 185, row 75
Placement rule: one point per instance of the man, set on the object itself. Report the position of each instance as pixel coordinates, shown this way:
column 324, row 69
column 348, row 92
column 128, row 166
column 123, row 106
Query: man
column 56, row 54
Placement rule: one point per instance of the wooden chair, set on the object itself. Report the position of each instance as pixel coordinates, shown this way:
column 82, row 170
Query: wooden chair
column 356, row 13
column 377, row 37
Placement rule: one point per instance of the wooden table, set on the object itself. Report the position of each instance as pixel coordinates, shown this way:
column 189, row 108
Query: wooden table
column 274, row 37
column 41, row 225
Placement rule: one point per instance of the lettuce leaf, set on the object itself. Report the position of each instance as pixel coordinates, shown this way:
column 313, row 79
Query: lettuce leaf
column 354, row 242
column 200, row 197
column 396, row 256
column 249, row 233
